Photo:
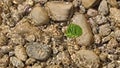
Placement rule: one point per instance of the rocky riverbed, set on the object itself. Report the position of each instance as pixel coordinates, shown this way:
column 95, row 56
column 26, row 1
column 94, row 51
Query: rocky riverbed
column 33, row 34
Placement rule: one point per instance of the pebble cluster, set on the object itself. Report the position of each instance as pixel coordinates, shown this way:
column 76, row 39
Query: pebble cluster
column 32, row 34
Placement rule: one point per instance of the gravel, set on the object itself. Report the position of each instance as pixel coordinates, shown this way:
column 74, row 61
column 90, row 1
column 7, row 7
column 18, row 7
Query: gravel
column 16, row 62
column 33, row 34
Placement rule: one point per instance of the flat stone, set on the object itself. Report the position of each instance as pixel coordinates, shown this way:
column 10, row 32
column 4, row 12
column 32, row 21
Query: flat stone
column 88, row 3
column 86, row 59
column 87, row 37
column 58, row 10
column 39, row 15
column 38, row 51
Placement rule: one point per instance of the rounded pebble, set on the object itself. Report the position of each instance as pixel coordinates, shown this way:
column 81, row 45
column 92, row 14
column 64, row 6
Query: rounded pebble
column 38, row 51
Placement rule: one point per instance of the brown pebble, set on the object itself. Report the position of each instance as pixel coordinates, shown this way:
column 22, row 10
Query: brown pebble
column 86, row 58
column 30, row 61
column 88, row 3
column 59, row 10
column 39, row 15
column 20, row 52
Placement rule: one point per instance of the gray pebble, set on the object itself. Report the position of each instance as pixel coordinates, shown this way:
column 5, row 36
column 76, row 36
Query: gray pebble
column 38, row 51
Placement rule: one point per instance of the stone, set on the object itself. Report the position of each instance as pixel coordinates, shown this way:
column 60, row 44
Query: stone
column 97, row 39
column 115, row 14
column 54, row 66
column 87, row 37
column 103, row 7
column 92, row 12
column 30, row 61
column 39, row 15
column 38, row 51
column 86, row 59
column 3, row 39
column 104, row 30
column 20, row 52
column 117, row 34
column 88, row 3
column 16, row 62
column 103, row 57
column 25, row 29
column 113, row 3
column 4, row 61
column 58, row 10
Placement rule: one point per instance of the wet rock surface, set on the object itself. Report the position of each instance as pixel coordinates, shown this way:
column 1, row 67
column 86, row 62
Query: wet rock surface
column 33, row 34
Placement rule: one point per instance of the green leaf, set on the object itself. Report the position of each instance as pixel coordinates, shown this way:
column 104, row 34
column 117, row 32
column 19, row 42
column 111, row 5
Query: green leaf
column 73, row 31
